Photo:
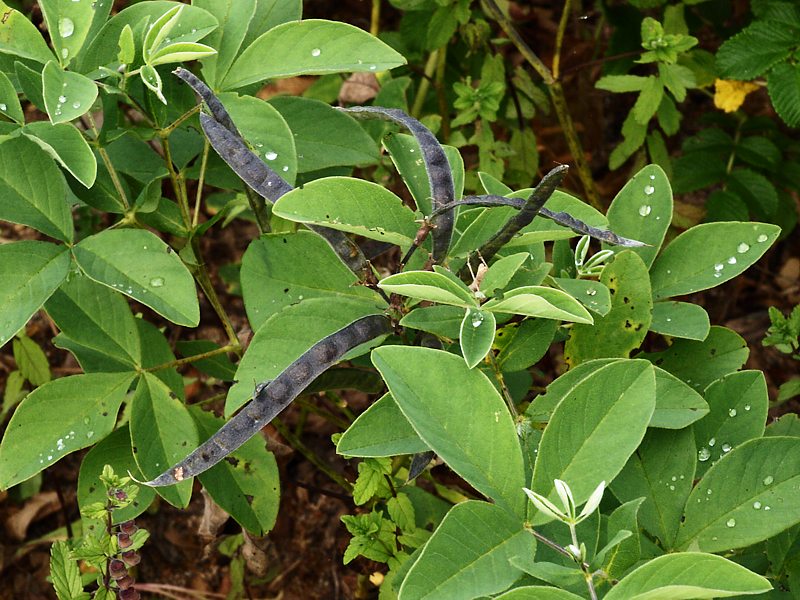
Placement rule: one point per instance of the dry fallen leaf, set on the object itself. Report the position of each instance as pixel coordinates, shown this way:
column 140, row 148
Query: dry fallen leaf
column 358, row 88
column 38, row 507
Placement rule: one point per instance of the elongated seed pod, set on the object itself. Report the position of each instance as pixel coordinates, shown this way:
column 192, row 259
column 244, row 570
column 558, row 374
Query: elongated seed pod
column 436, row 165
column 213, row 103
column 272, row 398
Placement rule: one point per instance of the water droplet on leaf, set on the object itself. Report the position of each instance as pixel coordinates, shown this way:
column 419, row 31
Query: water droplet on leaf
column 731, row 522
column 757, row 505
column 316, row 52
column 726, row 447
column 732, row 412
column 712, row 441
column 156, row 282
column 649, row 189
column 65, row 27
column 645, row 209
column 768, row 480
column 703, row 454
column 271, row 155
column 762, row 238
column 742, row 248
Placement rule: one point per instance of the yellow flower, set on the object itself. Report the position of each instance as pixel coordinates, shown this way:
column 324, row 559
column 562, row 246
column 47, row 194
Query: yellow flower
column 730, row 94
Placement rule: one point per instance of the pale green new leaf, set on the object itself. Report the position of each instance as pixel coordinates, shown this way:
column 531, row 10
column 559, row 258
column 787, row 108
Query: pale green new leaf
column 65, row 144
column 139, row 264
column 182, row 52
column 540, row 301
column 58, row 418
column 688, row 576
column 622, row 83
column 310, row 47
column 67, row 95
column 707, row 255
column 428, row 285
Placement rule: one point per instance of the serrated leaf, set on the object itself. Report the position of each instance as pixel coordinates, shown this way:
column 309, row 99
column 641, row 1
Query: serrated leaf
column 648, row 100
column 139, row 264
column 783, row 83
column 352, row 205
column 34, row 191
column 754, row 50
column 310, row 47
column 65, row 574
column 707, row 255
column 58, row 418
column 30, row 271
column 65, row 144
column 756, row 190
column 162, row 433
column 67, row 95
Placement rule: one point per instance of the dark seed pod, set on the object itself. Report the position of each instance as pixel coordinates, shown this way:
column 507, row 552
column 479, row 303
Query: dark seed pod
column 267, row 404
column 117, row 569
column 418, row 464
column 131, row 558
column 215, row 107
column 124, row 540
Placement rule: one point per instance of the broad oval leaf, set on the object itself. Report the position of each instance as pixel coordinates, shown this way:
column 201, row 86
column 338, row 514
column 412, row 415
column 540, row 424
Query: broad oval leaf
column 283, row 269
column 246, row 484
column 67, row 95
column 69, row 24
column 709, row 254
column 352, row 205
column 311, row 47
column 162, row 433
column 595, row 429
column 65, row 144
column 139, row 264
column 460, row 415
column 680, row 319
column 235, row 17
column 540, row 301
column 477, row 335
column 442, row 320
column 381, row 430
column 428, row 285
column 9, row 101
column 522, row 345
column 33, row 190
column 537, row 592
column 468, row 555
column 30, row 271
column 688, row 576
column 642, row 210
column 20, row 37
column 592, row 294
column 58, row 418
column 747, row 497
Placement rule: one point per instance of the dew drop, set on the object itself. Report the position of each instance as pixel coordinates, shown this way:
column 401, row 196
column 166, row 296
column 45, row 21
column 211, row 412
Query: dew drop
column 674, row 478
column 742, row 248
column 757, row 505
column 285, row 168
column 652, row 177
column 3, row 106
column 60, row 444
column 86, row 420
column 372, row 67
column 669, row 319
column 719, row 267
column 747, row 407
column 64, row 54
column 477, row 319
column 767, row 508
column 717, row 274
column 591, row 292
column 65, row 27
column 712, row 441
column 156, row 282
column 731, row 522
column 672, row 488
column 732, row 260
column 316, row 52
column 76, row 105
column 89, row 434
column 703, row 454
column 732, row 412
column 762, row 238
column 271, row 155
column 62, row 99
column 768, row 480
column 649, row 189
column 645, row 209
column 49, row 457
column 726, row 447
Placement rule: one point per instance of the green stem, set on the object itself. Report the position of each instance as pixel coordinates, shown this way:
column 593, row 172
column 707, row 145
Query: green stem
column 298, row 445
column 562, row 26
column 259, row 207
column 200, row 180
column 109, row 166
column 178, row 186
column 424, row 84
column 440, row 93
column 166, row 131
column 203, row 278
column 375, row 18
column 737, row 136
column 498, row 374
column 195, row 357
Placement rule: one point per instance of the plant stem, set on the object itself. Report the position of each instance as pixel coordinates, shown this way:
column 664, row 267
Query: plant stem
column 195, row 357
column 562, row 26
column 177, row 184
column 502, row 381
column 200, row 180
column 440, row 93
column 298, row 445
column 259, row 207
column 557, row 97
column 203, row 278
column 737, row 136
column 375, row 18
column 109, row 166
column 166, row 131
column 424, row 84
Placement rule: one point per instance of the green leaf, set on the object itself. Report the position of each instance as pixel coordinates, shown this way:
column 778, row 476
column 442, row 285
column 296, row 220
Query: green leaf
column 699, row 363
column 246, row 484
column 139, row 264
column 9, row 101
column 662, row 470
column 182, row 52
column 689, row 576
column 528, row 343
column 432, row 387
column 65, row 574
column 756, row 190
column 33, row 190
column 157, row 33
column 642, row 210
column 754, row 50
column 680, row 319
column 738, row 404
column 648, row 100
column 542, row 229
column 722, row 205
column 761, row 152
column 476, row 335
column 20, row 37
column 371, row 481
column 595, row 429
column 65, row 144
column 31, row 360
column 592, row 294
column 127, row 46
column 67, row 95
column 381, row 430
column 752, row 497
column 622, row 83
column 234, row 17
column 271, row 13
column 624, row 327
column 284, row 337
column 352, row 205
column 156, row 352
column 115, row 450
column 470, row 550
column 783, row 83
column 540, row 301
column 676, row 78
column 325, row 137
column 96, row 325
column 162, row 433
column 30, row 271
column 310, row 47
column 69, row 24
column 707, row 255
column 152, row 80
column 443, row 320
column 428, row 285
column 58, row 418
column 621, row 553
column 677, row 404
column 500, row 273
column 401, row 511
column 537, row 592
column 266, row 131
